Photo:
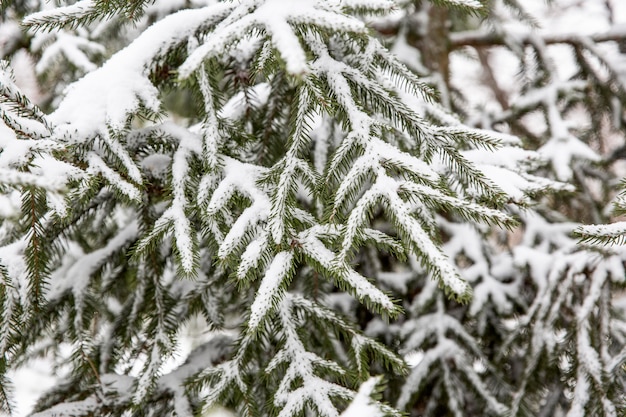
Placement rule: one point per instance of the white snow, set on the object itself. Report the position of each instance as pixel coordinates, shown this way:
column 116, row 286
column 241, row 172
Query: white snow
column 475, row 4
column 76, row 10
column 158, row 165
column 10, row 33
column 301, row 367
column 74, row 48
column 269, row 292
column 29, row 382
column 363, row 405
column 240, row 178
column 93, row 103
column 613, row 230
column 363, row 289
column 276, row 18
column 78, row 268
column 235, row 107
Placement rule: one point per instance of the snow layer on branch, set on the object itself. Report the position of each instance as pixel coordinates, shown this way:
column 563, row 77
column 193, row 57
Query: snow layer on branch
column 78, row 267
column 300, row 384
column 69, row 409
column 312, row 246
column 189, row 144
column 561, row 151
column 366, row 4
column 474, row 4
column 43, row 170
column 60, row 14
column 272, row 285
column 11, row 258
column 362, row 405
column 93, row 103
column 277, row 18
column 10, row 34
column 444, row 270
column 241, row 178
column 507, row 168
column 603, row 233
column 73, row 48
column 25, row 147
column 488, row 276
column 235, row 108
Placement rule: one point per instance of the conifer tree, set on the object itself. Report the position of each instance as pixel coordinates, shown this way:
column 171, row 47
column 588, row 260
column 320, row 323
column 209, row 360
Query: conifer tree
column 543, row 332
column 309, row 181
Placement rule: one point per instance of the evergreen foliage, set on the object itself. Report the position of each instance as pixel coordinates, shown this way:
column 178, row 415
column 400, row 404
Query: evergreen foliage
column 356, row 233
